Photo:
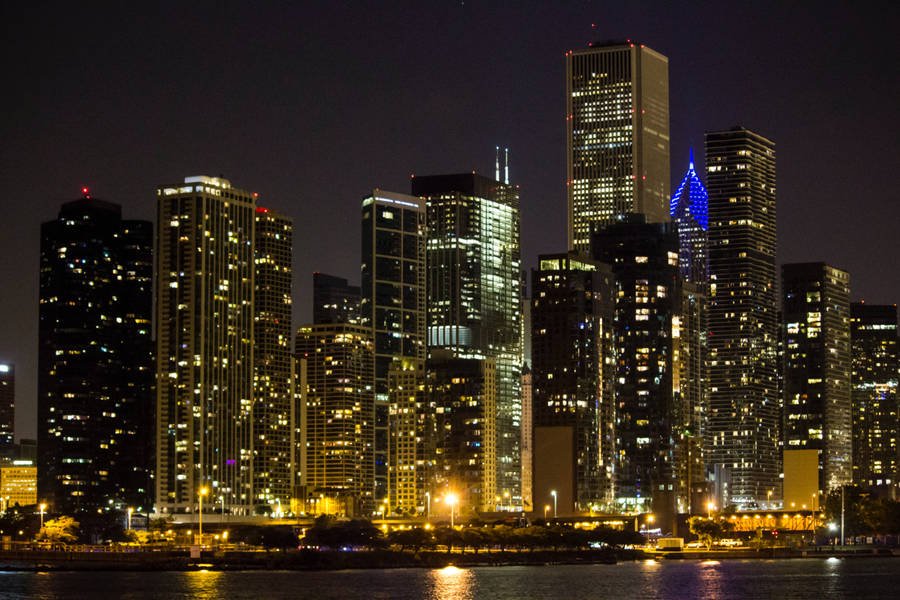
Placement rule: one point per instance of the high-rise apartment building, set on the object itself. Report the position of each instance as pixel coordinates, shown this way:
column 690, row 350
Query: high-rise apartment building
column 649, row 336
column 273, row 378
column 95, row 358
column 339, row 428
column 816, row 413
column 744, row 407
column 573, row 362
column 7, row 406
column 205, row 336
column 393, row 308
column 474, row 294
column 875, row 410
column 334, row 300
column 460, row 416
column 617, row 137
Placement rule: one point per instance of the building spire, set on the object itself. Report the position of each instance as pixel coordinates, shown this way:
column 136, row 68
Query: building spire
column 691, row 164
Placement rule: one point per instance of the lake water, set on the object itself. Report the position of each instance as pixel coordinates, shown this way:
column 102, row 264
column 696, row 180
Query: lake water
column 819, row 579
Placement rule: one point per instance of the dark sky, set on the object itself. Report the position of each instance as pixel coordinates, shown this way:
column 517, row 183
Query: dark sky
column 312, row 104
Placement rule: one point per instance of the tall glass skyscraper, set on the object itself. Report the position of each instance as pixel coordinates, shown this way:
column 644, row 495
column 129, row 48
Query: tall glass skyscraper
column 617, row 137
column 95, row 361
column 474, row 294
column 393, row 307
column 875, row 409
column 744, row 405
column 689, row 209
column 816, row 414
column 205, row 369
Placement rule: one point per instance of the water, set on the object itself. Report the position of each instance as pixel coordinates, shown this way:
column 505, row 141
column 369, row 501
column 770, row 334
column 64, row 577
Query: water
column 818, row 579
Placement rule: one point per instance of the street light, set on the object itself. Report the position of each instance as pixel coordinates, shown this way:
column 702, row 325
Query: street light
column 546, row 508
column 710, row 506
column 770, row 498
column 427, row 505
column 42, row 507
column 130, row 510
column 553, row 493
column 203, row 492
column 451, row 499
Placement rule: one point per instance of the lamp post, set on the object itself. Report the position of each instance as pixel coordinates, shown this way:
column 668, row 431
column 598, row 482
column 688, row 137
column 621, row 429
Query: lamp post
column 222, row 500
column 130, row 510
column 451, row 500
column 427, row 505
column 709, row 508
column 546, row 509
column 553, row 493
column 42, row 507
column 769, row 493
column 203, row 492
column 842, row 515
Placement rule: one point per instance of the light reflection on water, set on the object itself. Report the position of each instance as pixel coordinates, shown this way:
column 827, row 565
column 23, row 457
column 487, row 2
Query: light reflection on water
column 811, row 579
column 452, row 583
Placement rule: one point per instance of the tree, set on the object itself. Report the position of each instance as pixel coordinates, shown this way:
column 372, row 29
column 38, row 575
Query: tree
column 710, row 530
column 61, row 529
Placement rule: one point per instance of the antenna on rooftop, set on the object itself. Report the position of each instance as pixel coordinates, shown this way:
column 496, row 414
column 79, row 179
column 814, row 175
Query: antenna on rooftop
column 497, row 164
column 506, row 166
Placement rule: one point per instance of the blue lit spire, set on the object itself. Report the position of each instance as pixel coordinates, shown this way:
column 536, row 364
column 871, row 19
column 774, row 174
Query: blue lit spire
column 691, row 198
column 689, row 209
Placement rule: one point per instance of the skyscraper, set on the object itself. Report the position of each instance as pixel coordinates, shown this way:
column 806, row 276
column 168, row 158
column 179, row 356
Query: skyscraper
column 474, row 293
column 816, row 313
column 460, row 416
column 393, row 308
column 95, row 361
column 573, row 361
column 617, row 136
column 7, row 405
column 334, row 300
column 644, row 259
column 205, row 368
column 744, row 406
column 273, row 385
column 689, row 210
column 339, row 470
column 875, row 410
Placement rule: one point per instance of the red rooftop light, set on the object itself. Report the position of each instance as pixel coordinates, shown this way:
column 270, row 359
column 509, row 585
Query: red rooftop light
column 84, row 190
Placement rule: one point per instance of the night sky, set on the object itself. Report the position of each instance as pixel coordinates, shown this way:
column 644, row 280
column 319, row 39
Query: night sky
column 312, row 104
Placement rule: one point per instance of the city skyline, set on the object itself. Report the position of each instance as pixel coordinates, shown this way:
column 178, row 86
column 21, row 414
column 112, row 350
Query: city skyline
column 813, row 184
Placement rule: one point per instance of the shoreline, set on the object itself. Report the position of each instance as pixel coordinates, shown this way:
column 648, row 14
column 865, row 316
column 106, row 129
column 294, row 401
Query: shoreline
column 317, row 560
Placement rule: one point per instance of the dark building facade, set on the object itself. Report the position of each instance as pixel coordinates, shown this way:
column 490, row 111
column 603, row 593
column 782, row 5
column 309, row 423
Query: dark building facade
column 474, row 293
column 644, row 259
column 393, row 307
column 744, row 405
column 875, row 410
column 273, row 378
column 617, row 136
column 334, row 300
column 460, row 422
column 816, row 313
column 95, row 362
column 7, row 406
column 573, row 370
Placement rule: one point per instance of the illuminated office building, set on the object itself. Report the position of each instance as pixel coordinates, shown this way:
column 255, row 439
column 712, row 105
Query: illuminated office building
column 573, row 363
column 527, row 438
column 393, row 308
column 273, row 389
column 744, row 406
column 474, row 294
column 7, row 405
column 18, row 483
column 816, row 313
column 339, row 425
column 95, row 358
column 205, row 336
column 617, row 136
column 334, row 300
column 874, row 360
